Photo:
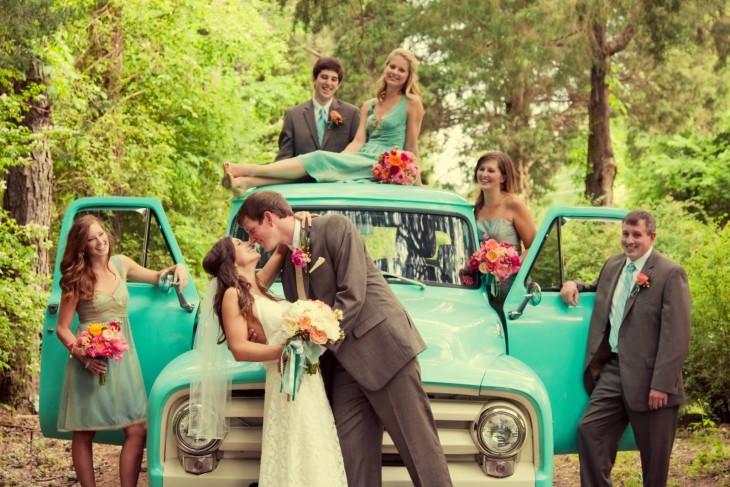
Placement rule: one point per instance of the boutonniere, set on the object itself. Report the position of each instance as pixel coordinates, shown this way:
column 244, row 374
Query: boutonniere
column 335, row 119
column 642, row 280
column 301, row 256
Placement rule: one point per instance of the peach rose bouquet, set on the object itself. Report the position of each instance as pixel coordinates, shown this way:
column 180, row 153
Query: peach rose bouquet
column 309, row 326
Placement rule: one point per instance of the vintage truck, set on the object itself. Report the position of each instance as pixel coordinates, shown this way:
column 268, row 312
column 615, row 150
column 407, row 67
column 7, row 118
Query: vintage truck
column 506, row 395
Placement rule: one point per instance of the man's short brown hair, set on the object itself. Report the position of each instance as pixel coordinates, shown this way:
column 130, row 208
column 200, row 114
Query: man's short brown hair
column 262, row 201
column 633, row 218
column 329, row 64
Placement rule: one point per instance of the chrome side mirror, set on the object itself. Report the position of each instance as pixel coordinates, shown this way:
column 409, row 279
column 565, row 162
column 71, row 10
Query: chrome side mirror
column 533, row 296
column 165, row 284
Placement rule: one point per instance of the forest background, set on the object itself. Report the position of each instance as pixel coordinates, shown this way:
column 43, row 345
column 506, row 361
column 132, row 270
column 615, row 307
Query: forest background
column 616, row 103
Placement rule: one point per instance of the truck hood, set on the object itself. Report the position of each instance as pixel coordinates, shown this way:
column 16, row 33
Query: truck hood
column 462, row 331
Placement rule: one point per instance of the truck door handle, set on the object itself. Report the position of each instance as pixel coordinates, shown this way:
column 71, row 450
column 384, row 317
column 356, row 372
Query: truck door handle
column 533, row 296
column 165, row 284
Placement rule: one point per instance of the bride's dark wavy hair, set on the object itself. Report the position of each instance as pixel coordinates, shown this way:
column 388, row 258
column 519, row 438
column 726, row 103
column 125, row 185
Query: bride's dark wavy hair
column 220, row 262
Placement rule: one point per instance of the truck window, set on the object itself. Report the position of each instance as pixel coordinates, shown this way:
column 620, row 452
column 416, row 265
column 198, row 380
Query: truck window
column 575, row 249
column 137, row 234
column 427, row 247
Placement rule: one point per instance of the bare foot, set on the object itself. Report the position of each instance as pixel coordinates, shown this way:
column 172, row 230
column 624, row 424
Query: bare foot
column 227, row 181
column 240, row 185
column 238, row 170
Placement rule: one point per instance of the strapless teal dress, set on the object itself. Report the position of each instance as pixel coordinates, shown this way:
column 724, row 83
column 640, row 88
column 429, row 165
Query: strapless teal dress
column 382, row 135
column 122, row 401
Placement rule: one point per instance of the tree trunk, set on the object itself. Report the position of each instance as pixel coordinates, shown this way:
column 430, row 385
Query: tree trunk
column 601, row 163
column 518, row 109
column 27, row 199
column 29, row 188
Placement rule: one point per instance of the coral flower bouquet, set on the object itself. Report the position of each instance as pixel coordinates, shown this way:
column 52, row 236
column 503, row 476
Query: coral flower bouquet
column 396, row 167
column 499, row 260
column 103, row 341
column 309, row 326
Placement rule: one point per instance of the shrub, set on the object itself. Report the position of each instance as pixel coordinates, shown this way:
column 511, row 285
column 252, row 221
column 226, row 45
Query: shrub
column 22, row 297
column 709, row 361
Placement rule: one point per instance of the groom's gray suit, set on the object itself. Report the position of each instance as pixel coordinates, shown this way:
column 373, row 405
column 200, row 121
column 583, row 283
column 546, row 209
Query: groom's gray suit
column 375, row 378
column 299, row 133
column 652, row 346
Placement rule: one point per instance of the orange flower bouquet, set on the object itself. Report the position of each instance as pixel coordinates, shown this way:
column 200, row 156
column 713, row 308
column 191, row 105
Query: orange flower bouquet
column 396, row 167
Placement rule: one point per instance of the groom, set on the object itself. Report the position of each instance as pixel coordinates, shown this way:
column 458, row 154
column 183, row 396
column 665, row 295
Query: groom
column 376, row 380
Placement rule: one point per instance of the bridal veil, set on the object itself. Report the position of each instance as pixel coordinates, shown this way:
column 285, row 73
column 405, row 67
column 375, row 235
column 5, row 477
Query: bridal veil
column 211, row 379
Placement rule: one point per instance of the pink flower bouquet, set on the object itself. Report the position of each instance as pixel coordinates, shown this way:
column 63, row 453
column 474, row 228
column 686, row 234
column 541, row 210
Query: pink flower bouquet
column 103, row 341
column 500, row 260
column 396, row 167
column 309, row 325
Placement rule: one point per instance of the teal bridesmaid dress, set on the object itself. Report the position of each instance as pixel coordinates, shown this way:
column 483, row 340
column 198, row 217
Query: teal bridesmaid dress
column 382, row 135
column 122, row 401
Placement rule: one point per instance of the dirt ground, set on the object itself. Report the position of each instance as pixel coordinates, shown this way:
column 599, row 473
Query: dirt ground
column 28, row 459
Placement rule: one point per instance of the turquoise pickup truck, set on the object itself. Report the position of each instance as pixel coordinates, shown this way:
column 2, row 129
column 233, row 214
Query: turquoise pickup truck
column 506, row 395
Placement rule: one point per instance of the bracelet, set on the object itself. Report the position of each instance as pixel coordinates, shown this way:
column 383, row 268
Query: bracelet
column 70, row 345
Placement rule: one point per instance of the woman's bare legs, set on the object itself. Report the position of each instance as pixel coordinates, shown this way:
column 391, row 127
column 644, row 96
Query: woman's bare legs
column 284, row 169
column 130, row 460
column 82, row 456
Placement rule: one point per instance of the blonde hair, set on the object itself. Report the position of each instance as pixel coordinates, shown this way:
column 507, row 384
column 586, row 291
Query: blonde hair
column 410, row 87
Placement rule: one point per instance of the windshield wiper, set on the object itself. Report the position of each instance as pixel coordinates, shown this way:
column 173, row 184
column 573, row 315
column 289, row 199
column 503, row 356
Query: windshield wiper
column 404, row 280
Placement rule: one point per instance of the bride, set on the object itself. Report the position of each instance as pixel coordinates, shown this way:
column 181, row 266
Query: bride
column 299, row 443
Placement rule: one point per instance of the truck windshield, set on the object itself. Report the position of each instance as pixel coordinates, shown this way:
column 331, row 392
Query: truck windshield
column 428, row 247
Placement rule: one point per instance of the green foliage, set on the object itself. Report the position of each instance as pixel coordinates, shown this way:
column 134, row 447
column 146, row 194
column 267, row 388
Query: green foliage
column 22, row 297
column 23, row 24
column 709, row 360
column 15, row 139
column 713, row 455
column 687, row 167
column 194, row 84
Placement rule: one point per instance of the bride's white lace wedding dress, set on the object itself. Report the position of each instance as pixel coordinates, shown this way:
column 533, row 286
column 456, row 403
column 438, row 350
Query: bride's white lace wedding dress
column 299, row 446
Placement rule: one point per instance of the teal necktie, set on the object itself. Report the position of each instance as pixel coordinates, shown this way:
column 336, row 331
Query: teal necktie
column 321, row 124
column 618, row 305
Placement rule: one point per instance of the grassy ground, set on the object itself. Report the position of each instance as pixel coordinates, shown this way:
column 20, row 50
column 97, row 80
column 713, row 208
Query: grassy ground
column 700, row 459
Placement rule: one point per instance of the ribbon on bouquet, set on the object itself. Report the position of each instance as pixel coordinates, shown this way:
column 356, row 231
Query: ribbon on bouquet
column 299, row 357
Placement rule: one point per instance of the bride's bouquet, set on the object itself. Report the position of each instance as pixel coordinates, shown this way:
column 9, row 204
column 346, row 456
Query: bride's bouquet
column 396, row 167
column 310, row 325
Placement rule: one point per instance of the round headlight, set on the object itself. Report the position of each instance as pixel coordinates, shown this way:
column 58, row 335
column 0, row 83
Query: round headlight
column 499, row 432
column 191, row 444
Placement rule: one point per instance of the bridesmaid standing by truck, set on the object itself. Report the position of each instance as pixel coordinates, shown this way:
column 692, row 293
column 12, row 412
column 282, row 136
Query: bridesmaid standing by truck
column 93, row 284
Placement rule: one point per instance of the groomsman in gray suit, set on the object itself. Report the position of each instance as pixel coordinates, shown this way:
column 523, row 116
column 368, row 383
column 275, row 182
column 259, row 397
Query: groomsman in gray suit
column 637, row 343
column 315, row 124
column 376, row 381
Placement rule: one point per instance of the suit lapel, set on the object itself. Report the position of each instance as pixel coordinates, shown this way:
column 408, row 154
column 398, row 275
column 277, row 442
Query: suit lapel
column 311, row 122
